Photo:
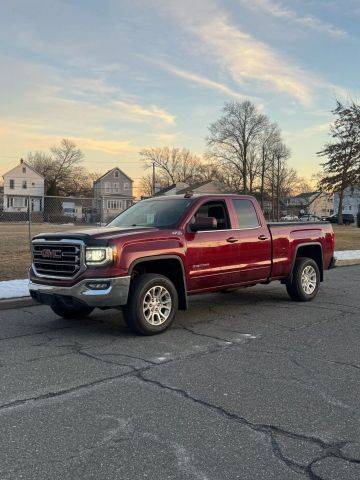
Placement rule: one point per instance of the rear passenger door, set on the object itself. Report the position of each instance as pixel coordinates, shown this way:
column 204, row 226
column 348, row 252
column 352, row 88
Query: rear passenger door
column 253, row 252
column 211, row 254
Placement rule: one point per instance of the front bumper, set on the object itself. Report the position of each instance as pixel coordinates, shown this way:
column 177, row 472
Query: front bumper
column 114, row 295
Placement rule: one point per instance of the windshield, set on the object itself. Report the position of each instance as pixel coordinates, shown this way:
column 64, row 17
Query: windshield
column 152, row 213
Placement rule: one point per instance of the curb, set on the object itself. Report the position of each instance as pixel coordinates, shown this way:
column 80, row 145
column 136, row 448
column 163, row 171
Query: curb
column 19, row 302
column 347, row 263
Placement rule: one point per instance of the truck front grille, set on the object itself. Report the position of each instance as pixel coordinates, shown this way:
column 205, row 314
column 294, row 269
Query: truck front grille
column 56, row 259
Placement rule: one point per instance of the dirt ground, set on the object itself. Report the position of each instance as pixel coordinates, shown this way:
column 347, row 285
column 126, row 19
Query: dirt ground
column 14, row 246
column 347, row 238
column 15, row 252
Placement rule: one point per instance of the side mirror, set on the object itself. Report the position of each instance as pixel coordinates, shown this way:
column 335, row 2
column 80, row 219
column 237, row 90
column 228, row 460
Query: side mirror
column 203, row 223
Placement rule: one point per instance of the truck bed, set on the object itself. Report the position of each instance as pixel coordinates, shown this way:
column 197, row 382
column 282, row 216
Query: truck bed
column 288, row 237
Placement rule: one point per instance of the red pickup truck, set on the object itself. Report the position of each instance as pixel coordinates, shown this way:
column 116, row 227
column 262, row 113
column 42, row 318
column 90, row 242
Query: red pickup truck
column 151, row 257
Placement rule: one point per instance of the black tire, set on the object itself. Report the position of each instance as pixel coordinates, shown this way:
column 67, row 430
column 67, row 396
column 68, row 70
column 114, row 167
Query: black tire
column 295, row 288
column 70, row 312
column 133, row 312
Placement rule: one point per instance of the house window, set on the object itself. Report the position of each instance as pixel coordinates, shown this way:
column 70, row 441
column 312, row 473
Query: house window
column 12, row 184
column 18, row 202
column 24, row 184
column 115, row 205
column 116, row 187
column 107, row 187
column 10, row 201
column 26, row 202
column 116, row 174
column 24, row 170
column 126, row 186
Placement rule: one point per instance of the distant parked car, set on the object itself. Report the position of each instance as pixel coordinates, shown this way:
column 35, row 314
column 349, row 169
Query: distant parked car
column 348, row 218
column 289, row 218
column 309, row 218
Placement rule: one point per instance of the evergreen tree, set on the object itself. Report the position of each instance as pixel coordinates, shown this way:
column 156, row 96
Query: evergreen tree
column 342, row 168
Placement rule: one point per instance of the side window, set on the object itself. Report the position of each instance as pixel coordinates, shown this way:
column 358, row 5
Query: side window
column 245, row 213
column 218, row 210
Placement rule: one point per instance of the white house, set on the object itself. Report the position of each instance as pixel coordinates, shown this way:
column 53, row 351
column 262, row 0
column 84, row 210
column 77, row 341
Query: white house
column 72, row 209
column 321, row 204
column 22, row 184
column 351, row 201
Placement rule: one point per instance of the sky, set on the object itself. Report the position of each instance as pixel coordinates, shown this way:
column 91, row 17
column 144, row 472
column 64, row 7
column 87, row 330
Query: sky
column 117, row 76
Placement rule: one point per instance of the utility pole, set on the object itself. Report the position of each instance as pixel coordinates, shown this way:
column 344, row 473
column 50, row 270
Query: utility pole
column 153, row 178
column 29, row 220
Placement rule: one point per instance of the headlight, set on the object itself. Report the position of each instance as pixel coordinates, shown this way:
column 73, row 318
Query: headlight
column 99, row 255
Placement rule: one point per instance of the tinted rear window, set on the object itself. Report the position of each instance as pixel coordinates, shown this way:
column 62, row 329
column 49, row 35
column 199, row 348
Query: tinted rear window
column 245, row 213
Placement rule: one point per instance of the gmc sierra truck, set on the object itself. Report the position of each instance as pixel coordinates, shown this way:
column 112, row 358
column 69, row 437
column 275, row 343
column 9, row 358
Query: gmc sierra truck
column 152, row 256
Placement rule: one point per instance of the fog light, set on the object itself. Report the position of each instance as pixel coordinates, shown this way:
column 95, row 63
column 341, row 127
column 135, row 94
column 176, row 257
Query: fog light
column 98, row 286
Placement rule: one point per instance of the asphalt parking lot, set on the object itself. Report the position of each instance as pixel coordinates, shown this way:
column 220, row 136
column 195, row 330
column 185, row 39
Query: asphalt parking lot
column 245, row 385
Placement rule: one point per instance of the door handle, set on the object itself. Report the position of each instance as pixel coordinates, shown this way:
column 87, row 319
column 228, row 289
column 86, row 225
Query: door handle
column 231, row 239
column 262, row 237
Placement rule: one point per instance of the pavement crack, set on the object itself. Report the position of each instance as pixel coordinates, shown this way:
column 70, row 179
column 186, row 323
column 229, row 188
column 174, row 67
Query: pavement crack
column 188, row 329
column 330, row 449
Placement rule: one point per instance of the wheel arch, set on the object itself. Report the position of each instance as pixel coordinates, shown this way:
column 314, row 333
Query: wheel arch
column 311, row 250
column 171, row 266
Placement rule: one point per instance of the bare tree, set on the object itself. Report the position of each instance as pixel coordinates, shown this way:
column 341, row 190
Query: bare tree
column 342, row 168
column 173, row 164
column 279, row 178
column 59, row 168
column 235, row 135
column 269, row 139
column 146, row 184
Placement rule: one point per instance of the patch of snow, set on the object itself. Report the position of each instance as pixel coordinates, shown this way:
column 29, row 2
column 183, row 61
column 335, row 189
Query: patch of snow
column 348, row 255
column 14, row 288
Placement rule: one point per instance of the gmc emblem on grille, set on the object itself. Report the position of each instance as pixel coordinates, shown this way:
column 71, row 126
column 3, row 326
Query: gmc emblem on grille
column 54, row 254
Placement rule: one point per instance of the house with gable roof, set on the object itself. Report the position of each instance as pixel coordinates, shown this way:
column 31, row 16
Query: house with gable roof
column 113, row 193
column 23, row 189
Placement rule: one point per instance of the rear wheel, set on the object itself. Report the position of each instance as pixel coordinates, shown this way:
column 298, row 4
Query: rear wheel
column 305, row 281
column 70, row 311
column 152, row 304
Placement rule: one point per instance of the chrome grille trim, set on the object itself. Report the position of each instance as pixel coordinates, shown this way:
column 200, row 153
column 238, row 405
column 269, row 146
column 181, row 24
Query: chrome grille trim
column 63, row 259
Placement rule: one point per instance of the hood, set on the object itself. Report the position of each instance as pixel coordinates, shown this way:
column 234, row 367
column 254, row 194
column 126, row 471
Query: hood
column 99, row 233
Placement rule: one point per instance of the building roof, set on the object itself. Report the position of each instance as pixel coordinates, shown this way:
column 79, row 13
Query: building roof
column 305, row 194
column 194, row 186
column 22, row 162
column 165, row 189
column 109, row 171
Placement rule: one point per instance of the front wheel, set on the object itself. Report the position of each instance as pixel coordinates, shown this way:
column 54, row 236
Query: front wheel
column 152, row 304
column 305, row 281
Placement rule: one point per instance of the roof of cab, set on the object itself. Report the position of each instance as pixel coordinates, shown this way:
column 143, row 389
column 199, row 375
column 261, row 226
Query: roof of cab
column 199, row 195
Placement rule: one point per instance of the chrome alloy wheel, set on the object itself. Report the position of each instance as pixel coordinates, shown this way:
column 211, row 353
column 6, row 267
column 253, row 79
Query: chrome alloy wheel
column 157, row 305
column 308, row 279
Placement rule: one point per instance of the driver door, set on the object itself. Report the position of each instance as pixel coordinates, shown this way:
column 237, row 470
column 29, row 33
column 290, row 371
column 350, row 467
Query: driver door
column 211, row 254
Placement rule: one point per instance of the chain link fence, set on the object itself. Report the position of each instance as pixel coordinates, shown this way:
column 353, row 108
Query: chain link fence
column 23, row 217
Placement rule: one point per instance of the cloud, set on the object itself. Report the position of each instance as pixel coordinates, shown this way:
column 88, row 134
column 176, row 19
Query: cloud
column 307, row 21
column 308, row 132
column 199, row 79
column 246, row 58
column 141, row 112
column 248, row 61
column 34, row 137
